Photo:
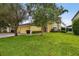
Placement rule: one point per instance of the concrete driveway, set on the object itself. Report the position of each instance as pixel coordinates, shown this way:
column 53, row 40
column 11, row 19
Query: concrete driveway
column 3, row 35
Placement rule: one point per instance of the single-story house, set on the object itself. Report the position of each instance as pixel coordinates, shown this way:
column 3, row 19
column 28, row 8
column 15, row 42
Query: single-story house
column 27, row 27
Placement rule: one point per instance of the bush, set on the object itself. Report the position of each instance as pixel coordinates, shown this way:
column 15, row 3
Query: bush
column 75, row 26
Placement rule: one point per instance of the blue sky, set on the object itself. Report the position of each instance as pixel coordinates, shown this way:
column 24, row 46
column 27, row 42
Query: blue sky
column 72, row 8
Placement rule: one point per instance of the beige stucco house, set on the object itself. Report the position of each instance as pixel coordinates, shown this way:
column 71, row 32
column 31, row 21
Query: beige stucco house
column 23, row 28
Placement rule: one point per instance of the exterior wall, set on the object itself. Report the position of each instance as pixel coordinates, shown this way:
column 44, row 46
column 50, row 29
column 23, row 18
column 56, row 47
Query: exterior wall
column 8, row 29
column 23, row 29
column 35, row 28
column 59, row 26
column 49, row 27
column 56, row 27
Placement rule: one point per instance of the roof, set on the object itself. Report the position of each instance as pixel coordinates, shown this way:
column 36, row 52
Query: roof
column 75, row 15
column 69, row 26
column 25, row 24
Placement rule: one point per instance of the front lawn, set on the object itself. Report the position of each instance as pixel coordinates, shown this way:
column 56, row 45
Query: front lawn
column 51, row 44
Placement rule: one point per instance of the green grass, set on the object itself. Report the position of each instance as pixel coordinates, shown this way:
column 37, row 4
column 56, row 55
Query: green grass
column 51, row 44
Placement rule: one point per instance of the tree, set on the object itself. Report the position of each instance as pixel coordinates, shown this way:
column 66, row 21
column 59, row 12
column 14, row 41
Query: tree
column 3, row 25
column 13, row 15
column 45, row 13
column 42, row 13
column 57, row 12
column 40, row 19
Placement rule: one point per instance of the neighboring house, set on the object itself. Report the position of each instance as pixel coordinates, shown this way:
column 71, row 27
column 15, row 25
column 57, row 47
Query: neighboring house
column 74, row 18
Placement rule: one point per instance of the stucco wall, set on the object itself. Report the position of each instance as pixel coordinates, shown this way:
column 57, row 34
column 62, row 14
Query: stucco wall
column 35, row 28
column 22, row 29
column 49, row 27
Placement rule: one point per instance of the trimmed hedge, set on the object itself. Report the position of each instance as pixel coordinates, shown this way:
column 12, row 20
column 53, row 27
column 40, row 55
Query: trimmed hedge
column 75, row 26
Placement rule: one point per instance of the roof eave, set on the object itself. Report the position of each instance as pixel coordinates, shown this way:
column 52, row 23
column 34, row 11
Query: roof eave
column 75, row 15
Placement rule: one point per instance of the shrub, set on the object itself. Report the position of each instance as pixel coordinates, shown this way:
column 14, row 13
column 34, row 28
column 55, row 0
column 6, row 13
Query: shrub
column 75, row 26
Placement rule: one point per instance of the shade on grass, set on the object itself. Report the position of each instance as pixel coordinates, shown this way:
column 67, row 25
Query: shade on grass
column 51, row 44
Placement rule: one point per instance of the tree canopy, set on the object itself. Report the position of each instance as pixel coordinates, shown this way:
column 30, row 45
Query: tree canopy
column 12, row 14
column 43, row 13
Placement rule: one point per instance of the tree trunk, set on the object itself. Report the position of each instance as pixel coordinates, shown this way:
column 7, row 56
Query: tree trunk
column 16, row 34
column 0, row 30
column 42, row 30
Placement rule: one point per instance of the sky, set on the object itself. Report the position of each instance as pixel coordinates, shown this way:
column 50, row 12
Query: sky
column 72, row 10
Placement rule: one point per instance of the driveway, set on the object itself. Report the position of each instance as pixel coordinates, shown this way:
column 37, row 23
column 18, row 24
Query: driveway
column 3, row 35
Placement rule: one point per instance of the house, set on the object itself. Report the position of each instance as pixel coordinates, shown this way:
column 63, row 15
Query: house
column 74, row 18
column 27, row 27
